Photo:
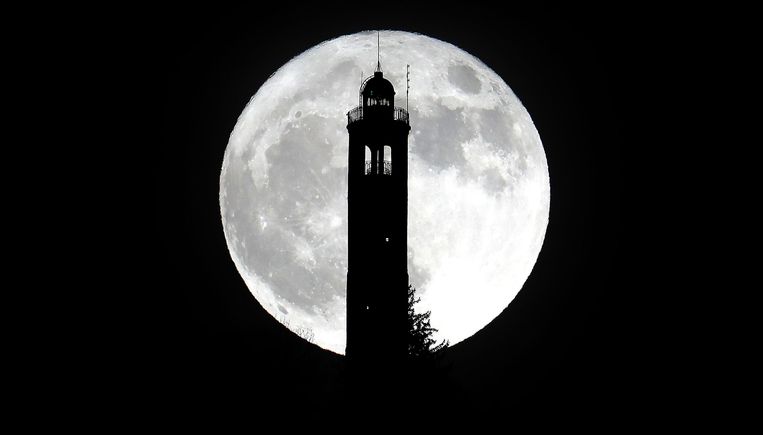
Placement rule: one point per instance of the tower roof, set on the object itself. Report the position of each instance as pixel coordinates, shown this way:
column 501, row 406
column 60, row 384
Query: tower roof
column 377, row 85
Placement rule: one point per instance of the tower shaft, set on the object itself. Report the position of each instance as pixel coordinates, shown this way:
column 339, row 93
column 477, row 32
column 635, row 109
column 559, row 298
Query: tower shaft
column 377, row 277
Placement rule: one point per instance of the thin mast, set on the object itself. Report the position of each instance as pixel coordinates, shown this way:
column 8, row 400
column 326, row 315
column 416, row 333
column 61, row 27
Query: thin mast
column 407, row 84
column 378, row 51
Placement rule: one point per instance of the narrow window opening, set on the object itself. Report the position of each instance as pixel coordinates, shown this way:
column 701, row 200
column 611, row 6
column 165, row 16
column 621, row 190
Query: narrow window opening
column 368, row 168
column 387, row 160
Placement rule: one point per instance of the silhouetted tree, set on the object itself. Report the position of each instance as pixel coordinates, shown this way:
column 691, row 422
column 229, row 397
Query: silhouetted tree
column 426, row 363
column 422, row 347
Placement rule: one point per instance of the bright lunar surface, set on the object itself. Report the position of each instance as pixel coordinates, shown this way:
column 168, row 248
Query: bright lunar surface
column 478, row 195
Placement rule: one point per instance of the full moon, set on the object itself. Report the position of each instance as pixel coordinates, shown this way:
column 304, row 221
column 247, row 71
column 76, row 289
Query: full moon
column 478, row 198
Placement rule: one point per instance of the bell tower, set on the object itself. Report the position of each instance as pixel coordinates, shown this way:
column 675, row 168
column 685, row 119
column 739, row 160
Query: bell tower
column 377, row 276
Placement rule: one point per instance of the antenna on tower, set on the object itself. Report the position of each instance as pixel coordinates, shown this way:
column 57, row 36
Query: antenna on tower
column 407, row 84
column 378, row 51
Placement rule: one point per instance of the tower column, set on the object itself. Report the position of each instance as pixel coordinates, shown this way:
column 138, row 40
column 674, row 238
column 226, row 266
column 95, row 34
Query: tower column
column 374, row 162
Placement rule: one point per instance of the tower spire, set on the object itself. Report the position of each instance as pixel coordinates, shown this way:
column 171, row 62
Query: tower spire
column 378, row 51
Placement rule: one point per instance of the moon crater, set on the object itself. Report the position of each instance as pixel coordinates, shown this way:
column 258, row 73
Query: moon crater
column 464, row 78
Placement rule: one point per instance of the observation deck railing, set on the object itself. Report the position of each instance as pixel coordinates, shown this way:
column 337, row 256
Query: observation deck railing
column 398, row 114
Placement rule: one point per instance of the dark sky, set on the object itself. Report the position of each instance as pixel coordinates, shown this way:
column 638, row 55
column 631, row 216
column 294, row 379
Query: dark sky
column 566, row 346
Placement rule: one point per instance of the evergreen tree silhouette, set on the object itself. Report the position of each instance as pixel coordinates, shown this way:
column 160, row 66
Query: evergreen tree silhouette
column 423, row 349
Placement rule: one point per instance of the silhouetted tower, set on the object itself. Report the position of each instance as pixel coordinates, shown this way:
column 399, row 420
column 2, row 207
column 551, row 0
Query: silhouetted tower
column 377, row 277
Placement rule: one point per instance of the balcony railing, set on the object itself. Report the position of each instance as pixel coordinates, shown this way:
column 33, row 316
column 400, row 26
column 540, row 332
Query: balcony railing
column 398, row 114
column 386, row 168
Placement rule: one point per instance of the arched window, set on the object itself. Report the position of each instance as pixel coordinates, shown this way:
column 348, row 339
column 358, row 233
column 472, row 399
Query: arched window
column 387, row 157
